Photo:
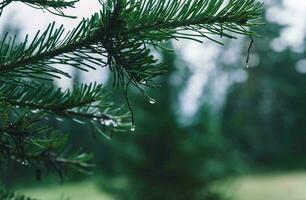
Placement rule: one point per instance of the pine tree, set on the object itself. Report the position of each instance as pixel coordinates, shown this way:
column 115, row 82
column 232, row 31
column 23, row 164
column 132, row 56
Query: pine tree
column 120, row 37
column 263, row 117
column 165, row 160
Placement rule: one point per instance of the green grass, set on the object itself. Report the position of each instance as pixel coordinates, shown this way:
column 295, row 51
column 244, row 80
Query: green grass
column 285, row 186
column 86, row 190
column 289, row 186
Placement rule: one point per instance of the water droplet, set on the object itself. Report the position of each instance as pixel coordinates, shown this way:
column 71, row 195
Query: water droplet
column 95, row 119
column 24, row 163
column 152, row 101
column 143, row 82
column 108, row 122
column 35, row 111
column 78, row 121
column 59, row 119
column 133, row 128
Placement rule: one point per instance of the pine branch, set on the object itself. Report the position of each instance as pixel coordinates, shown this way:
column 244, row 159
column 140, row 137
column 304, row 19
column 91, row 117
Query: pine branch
column 25, row 140
column 87, row 102
column 48, row 98
column 51, row 47
column 202, row 17
column 53, row 6
column 5, row 195
column 119, row 35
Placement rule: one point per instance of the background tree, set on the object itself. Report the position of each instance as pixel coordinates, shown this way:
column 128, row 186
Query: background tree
column 263, row 117
column 165, row 160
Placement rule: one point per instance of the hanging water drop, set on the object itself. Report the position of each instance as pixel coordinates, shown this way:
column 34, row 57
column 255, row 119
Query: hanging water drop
column 152, row 101
column 35, row 111
column 133, row 128
column 108, row 122
column 78, row 121
column 24, row 163
column 95, row 119
column 143, row 82
column 59, row 119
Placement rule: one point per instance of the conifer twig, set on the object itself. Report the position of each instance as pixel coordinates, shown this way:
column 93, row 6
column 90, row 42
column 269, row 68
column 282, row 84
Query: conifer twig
column 53, row 6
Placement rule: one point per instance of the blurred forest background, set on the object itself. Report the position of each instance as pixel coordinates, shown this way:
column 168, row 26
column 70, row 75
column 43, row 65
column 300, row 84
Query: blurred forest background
column 217, row 130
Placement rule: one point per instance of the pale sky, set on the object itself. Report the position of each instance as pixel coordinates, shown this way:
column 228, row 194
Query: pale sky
column 291, row 14
column 31, row 20
column 200, row 57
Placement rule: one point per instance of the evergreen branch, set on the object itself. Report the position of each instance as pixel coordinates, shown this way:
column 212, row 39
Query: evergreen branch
column 86, row 102
column 24, row 140
column 52, row 6
column 5, row 195
column 117, row 37
column 164, row 19
column 38, row 58
column 47, row 159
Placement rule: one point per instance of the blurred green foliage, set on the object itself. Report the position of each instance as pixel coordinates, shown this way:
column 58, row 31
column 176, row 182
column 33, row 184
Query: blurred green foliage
column 164, row 160
column 264, row 117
